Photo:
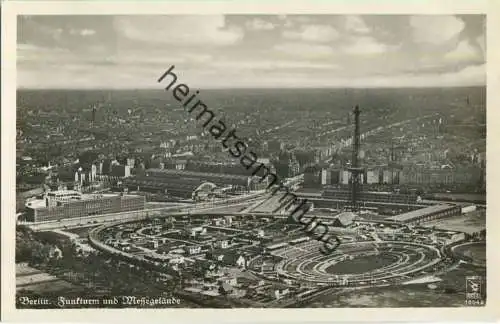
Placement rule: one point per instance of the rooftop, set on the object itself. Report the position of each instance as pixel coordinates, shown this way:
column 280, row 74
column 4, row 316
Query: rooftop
column 420, row 212
column 193, row 173
column 36, row 204
column 40, row 203
column 346, row 218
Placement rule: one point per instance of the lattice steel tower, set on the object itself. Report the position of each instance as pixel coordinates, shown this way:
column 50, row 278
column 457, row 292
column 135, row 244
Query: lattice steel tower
column 355, row 169
column 92, row 121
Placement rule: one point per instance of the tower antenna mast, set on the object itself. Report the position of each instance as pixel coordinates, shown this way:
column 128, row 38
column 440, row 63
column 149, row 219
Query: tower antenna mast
column 355, row 168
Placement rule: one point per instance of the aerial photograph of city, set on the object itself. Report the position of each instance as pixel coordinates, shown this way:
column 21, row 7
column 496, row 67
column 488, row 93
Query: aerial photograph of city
column 250, row 161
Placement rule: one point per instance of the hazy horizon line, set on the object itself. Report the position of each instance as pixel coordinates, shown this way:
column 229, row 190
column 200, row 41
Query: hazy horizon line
column 259, row 88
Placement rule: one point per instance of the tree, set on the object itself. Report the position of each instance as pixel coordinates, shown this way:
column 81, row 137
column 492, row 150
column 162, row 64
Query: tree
column 222, row 291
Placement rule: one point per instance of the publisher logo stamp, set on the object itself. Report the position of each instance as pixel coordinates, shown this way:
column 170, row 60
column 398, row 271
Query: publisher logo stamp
column 474, row 291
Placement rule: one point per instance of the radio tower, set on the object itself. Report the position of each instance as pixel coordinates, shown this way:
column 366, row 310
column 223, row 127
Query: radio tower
column 93, row 116
column 355, row 169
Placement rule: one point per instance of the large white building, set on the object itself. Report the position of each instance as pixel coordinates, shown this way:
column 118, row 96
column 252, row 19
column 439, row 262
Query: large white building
column 64, row 204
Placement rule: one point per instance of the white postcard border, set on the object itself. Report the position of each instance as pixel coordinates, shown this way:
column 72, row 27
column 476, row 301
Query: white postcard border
column 11, row 8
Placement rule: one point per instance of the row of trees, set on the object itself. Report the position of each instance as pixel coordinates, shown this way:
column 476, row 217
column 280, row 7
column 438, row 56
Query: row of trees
column 92, row 270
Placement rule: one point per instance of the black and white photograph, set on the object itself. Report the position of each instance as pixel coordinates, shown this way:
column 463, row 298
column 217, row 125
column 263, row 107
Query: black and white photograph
column 250, row 160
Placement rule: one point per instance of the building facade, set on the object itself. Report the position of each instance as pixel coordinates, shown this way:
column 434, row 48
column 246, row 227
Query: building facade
column 84, row 207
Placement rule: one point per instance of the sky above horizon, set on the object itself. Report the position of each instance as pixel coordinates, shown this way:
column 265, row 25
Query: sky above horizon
column 255, row 51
